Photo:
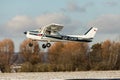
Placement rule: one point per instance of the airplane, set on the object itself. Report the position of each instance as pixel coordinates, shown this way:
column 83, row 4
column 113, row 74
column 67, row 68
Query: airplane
column 50, row 33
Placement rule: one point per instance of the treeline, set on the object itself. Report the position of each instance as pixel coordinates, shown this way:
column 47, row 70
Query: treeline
column 67, row 56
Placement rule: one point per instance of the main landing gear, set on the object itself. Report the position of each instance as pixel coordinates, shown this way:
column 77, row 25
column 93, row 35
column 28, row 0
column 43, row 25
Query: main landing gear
column 46, row 45
column 43, row 45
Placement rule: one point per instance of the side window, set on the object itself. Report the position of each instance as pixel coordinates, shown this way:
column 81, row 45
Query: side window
column 48, row 32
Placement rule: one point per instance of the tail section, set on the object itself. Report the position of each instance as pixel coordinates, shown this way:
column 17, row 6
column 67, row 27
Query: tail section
column 91, row 32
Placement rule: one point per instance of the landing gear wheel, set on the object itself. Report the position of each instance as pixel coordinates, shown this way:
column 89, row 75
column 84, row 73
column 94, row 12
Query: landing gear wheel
column 48, row 44
column 44, row 46
column 30, row 44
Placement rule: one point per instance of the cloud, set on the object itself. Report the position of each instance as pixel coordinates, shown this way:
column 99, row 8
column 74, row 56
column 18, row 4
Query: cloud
column 107, row 24
column 52, row 18
column 70, row 25
column 111, row 3
column 18, row 24
column 74, row 7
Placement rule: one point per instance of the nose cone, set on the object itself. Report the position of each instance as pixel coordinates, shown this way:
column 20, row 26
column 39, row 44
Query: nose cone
column 25, row 32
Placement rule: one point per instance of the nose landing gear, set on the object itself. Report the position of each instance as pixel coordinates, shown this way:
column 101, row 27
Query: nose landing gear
column 30, row 44
column 46, row 45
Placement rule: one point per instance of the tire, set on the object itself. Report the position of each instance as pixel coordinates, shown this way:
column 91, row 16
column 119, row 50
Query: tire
column 48, row 44
column 43, row 46
column 30, row 44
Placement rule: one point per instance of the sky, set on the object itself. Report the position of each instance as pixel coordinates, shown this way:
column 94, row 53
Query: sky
column 77, row 16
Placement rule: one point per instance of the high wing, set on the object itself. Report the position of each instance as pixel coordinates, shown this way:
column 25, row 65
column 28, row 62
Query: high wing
column 54, row 27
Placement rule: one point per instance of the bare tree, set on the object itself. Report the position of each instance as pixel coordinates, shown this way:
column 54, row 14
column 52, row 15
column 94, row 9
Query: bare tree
column 114, row 54
column 69, row 55
column 6, row 51
column 95, row 55
column 30, row 53
column 54, row 52
column 106, row 45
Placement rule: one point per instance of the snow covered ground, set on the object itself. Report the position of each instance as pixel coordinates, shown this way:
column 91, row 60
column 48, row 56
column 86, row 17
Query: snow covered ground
column 61, row 75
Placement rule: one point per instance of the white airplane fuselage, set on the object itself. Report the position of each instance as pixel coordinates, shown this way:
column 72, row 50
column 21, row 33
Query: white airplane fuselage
column 51, row 38
column 52, row 35
column 54, row 38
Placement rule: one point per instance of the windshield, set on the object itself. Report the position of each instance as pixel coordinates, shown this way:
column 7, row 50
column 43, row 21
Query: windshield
column 36, row 31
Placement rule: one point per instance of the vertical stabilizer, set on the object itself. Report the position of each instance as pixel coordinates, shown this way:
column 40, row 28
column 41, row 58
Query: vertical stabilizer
column 91, row 32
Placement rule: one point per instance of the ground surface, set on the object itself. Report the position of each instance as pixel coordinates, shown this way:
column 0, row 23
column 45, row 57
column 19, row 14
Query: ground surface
column 61, row 75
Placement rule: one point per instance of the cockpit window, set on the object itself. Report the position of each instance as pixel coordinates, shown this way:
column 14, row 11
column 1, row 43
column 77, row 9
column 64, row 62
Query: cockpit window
column 35, row 31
